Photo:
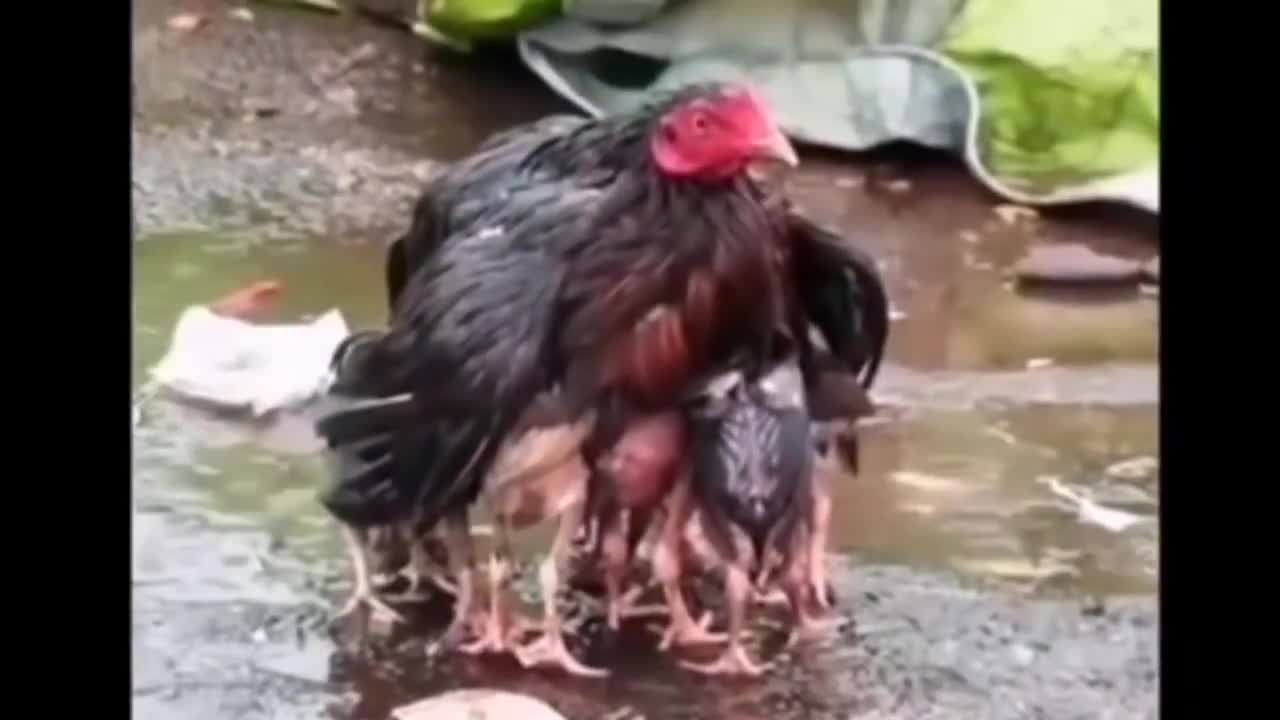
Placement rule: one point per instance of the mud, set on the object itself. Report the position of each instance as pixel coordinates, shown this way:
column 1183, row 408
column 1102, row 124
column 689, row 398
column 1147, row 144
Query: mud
column 290, row 147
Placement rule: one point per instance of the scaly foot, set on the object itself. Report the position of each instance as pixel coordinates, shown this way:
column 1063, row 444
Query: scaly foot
column 775, row 598
column 627, row 607
column 734, row 662
column 499, row 636
column 682, row 633
column 551, row 650
column 810, row 629
column 366, row 597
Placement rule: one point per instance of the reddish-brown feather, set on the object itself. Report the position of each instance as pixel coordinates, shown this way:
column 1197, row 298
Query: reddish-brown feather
column 657, row 358
column 700, row 303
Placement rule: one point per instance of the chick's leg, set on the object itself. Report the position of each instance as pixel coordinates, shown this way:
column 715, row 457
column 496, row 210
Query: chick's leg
column 421, row 566
column 817, row 551
column 615, row 556
column 457, row 537
column 682, row 629
column 550, row 648
column 735, row 660
column 629, row 603
column 809, row 625
column 501, row 624
column 363, row 593
column 385, row 554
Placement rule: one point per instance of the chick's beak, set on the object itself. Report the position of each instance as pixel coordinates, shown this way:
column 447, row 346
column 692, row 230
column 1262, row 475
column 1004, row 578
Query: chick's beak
column 776, row 146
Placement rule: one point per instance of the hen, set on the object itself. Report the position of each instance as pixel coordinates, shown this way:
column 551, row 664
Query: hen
column 604, row 286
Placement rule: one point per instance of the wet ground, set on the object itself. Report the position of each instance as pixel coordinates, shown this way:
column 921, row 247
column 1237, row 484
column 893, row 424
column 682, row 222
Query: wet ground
column 290, row 147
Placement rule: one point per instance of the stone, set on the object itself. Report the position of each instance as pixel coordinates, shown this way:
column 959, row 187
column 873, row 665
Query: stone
column 477, row 704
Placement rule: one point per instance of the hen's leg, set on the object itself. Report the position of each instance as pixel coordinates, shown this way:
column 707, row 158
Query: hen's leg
column 734, row 661
column 363, row 593
column 682, row 630
column 550, row 648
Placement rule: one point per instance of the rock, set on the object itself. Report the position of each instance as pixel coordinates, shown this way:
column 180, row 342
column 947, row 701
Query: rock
column 187, row 22
column 898, row 186
column 477, row 704
column 849, row 182
column 1076, row 264
column 1011, row 214
column 1022, row 654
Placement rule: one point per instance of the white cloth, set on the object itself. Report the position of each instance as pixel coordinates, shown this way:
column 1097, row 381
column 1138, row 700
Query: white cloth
column 239, row 365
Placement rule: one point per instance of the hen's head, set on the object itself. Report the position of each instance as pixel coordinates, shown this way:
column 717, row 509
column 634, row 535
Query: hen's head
column 713, row 132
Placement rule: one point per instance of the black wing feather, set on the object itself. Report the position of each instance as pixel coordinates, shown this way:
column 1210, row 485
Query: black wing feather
column 843, row 294
column 464, row 193
column 469, row 348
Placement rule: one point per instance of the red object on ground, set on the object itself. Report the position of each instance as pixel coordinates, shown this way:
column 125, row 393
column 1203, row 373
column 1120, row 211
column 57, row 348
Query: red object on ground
column 248, row 302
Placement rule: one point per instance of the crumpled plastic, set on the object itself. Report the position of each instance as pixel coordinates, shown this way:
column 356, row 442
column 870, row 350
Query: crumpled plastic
column 1047, row 103
column 236, row 365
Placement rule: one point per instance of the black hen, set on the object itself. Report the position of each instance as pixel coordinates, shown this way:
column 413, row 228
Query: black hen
column 618, row 283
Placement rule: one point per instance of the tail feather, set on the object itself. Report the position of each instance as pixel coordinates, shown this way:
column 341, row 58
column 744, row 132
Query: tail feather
column 394, row 461
column 844, row 294
column 367, row 419
column 362, row 494
column 361, row 366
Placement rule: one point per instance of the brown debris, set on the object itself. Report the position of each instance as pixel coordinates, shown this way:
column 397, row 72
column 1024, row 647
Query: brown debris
column 1075, row 264
column 248, row 302
column 1011, row 214
column 187, row 22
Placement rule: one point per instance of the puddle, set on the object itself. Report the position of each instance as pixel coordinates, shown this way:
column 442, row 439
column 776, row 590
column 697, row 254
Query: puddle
column 226, row 516
column 941, row 485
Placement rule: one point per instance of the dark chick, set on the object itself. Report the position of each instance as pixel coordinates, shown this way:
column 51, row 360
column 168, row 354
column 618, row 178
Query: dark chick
column 610, row 288
column 757, row 499
column 836, row 339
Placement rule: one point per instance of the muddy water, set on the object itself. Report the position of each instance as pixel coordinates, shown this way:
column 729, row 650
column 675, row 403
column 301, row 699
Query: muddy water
column 976, row 591
column 943, row 484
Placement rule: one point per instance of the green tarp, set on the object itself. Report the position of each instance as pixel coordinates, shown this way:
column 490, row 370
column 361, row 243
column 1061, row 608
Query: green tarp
column 1047, row 102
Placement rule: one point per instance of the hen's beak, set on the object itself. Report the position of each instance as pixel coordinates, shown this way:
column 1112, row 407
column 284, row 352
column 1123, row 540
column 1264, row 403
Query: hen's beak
column 776, row 146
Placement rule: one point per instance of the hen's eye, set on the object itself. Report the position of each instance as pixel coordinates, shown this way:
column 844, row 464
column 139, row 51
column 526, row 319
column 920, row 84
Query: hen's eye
column 700, row 123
